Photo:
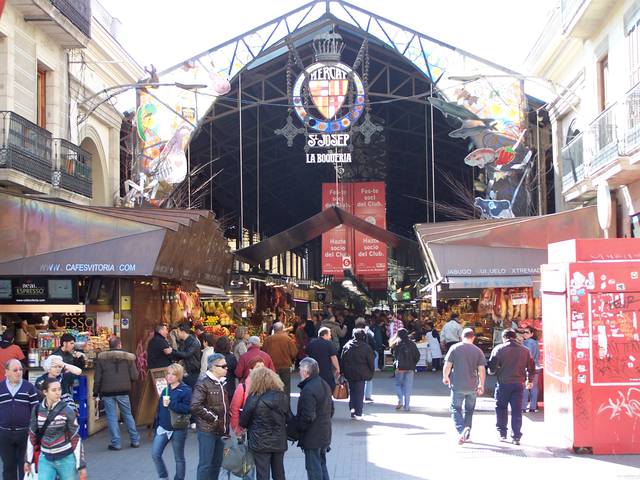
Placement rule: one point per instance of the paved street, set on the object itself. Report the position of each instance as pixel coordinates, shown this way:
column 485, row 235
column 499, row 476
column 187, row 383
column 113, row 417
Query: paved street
column 389, row 445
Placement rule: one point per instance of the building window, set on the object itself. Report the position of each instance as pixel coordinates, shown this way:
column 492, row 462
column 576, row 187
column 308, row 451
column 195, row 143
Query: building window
column 41, row 98
column 635, row 225
column 634, row 54
column 603, row 82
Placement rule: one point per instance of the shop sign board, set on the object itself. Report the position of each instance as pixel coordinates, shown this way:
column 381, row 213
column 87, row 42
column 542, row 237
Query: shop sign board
column 344, row 248
column 37, row 290
column 337, row 242
column 369, row 203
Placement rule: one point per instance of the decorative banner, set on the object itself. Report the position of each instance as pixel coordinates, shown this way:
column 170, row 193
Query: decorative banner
column 366, row 200
column 369, row 203
column 337, row 242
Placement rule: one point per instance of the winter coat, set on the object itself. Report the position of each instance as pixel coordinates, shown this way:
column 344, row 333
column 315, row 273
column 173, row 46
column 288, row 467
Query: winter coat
column 406, row 355
column 204, row 358
column 189, row 352
column 237, row 403
column 179, row 402
column 210, row 405
column 114, row 371
column 156, row 358
column 242, row 369
column 315, row 410
column 357, row 360
column 265, row 418
column 281, row 348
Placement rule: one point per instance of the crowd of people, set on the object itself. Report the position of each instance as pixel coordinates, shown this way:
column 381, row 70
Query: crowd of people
column 218, row 387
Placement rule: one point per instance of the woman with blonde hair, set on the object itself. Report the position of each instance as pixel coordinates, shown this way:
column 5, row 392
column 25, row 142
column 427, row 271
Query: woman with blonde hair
column 265, row 417
column 176, row 398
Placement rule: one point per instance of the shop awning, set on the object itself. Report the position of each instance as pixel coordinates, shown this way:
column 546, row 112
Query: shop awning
column 498, row 253
column 45, row 237
column 315, row 226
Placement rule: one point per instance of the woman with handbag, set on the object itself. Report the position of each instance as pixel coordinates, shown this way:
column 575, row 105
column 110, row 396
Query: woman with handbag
column 54, row 448
column 265, row 418
column 172, row 422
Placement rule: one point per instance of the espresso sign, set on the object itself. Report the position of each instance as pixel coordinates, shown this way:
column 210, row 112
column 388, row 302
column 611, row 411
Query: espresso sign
column 37, row 290
column 32, row 290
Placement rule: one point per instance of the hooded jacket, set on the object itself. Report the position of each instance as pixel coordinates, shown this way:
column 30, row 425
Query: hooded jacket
column 115, row 370
column 265, row 418
column 357, row 360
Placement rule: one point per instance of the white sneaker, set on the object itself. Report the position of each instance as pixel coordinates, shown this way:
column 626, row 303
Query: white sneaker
column 357, row 417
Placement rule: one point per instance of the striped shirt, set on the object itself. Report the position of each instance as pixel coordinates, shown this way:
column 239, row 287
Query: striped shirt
column 15, row 408
column 61, row 438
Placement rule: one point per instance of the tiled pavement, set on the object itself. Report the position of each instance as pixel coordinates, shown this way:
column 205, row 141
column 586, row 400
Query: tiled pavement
column 402, row 445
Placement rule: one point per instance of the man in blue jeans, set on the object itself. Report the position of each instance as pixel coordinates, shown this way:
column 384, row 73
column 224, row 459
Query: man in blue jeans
column 313, row 419
column 210, row 407
column 115, row 370
column 513, row 365
column 464, row 372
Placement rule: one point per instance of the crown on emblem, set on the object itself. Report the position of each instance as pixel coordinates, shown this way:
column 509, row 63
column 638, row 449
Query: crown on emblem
column 328, row 47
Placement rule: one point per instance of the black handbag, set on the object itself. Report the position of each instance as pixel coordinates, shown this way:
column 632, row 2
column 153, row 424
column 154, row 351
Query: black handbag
column 179, row 421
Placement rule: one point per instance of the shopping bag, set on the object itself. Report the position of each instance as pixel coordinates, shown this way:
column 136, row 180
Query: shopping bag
column 237, row 458
column 32, row 475
column 341, row 390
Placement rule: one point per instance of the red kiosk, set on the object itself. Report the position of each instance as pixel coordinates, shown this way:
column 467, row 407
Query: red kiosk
column 591, row 314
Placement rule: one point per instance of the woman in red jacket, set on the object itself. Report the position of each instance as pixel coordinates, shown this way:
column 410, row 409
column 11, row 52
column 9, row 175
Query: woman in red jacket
column 240, row 396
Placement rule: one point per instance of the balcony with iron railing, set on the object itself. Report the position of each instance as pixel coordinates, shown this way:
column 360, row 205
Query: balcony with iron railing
column 24, row 146
column 572, row 162
column 604, row 138
column 632, row 115
column 77, row 12
column 72, row 168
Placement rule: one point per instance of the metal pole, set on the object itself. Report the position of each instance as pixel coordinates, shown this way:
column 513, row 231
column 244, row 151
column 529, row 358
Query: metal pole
column 241, row 181
column 541, row 168
column 426, row 160
column 433, row 166
column 189, row 175
column 258, row 172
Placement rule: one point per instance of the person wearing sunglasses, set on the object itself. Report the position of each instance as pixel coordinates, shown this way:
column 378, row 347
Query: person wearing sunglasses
column 210, row 407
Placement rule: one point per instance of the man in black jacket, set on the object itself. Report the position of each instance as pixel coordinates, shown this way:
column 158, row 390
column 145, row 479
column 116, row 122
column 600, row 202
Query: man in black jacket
column 67, row 352
column 513, row 365
column 357, row 367
column 114, row 372
column 313, row 418
column 159, row 350
column 189, row 351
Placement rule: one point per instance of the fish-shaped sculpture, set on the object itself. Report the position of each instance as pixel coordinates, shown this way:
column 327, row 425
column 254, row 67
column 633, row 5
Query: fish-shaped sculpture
column 451, row 108
column 465, row 132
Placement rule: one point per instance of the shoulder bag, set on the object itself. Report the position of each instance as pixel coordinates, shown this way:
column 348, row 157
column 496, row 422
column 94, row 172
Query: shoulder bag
column 40, row 433
column 341, row 390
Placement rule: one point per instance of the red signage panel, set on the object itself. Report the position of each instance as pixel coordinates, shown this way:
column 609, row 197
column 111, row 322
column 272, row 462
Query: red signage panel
column 337, row 242
column 369, row 203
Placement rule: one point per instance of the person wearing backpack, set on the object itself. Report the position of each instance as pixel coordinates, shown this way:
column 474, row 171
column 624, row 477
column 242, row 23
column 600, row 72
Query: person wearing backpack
column 54, row 448
column 265, row 417
column 406, row 356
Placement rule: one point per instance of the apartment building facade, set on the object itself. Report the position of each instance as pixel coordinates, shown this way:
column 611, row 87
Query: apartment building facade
column 589, row 53
column 59, row 131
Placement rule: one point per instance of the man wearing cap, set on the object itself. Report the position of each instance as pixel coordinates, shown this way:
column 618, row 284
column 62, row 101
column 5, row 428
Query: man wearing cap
column 513, row 365
column 464, row 372
column 253, row 351
column 451, row 332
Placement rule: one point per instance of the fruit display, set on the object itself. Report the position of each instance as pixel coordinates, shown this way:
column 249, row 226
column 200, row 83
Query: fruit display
column 218, row 313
